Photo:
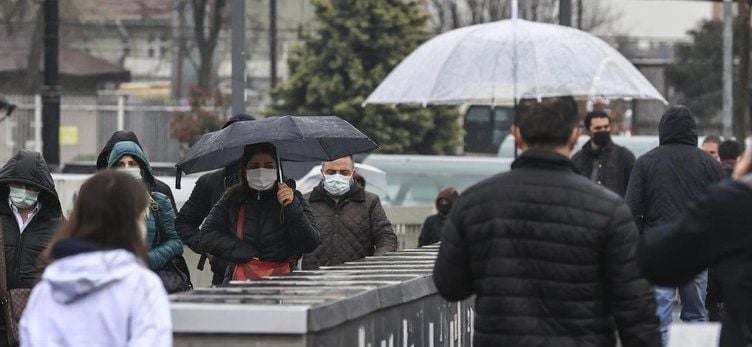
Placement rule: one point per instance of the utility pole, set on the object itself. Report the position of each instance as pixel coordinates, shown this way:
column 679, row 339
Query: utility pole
column 51, row 88
column 565, row 12
column 741, row 119
column 273, row 42
column 580, row 11
column 238, row 56
column 728, row 100
column 179, row 36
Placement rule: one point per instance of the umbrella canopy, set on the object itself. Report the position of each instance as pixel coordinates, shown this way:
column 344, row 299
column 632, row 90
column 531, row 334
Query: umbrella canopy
column 296, row 139
column 497, row 63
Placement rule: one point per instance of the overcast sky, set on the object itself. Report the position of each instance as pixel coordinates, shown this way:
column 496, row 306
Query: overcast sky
column 659, row 18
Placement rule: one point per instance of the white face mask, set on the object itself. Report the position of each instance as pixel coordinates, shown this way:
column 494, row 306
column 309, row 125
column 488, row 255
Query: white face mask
column 261, row 179
column 133, row 171
column 337, row 184
column 23, row 198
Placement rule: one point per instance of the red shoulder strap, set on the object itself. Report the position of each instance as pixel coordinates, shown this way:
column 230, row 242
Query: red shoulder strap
column 241, row 221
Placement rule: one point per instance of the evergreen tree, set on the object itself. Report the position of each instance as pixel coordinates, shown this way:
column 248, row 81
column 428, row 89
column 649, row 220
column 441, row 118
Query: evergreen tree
column 696, row 73
column 354, row 46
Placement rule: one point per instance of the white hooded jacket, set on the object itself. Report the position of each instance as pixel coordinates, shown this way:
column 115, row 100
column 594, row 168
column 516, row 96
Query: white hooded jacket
column 102, row 298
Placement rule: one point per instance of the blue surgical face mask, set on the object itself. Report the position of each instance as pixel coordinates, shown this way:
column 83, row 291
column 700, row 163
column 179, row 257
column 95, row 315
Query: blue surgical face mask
column 261, row 179
column 23, row 198
column 336, row 184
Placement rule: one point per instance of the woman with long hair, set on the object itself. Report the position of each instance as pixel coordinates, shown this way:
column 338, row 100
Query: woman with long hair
column 261, row 226
column 98, row 290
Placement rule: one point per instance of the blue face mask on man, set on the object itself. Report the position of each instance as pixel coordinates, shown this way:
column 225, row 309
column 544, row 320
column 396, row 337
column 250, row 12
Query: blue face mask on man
column 336, row 184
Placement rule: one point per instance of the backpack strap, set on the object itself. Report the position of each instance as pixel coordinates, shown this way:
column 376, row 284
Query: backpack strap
column 241, row 221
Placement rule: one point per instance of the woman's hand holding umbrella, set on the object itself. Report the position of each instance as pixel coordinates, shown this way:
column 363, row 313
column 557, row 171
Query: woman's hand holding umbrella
column 285, row 194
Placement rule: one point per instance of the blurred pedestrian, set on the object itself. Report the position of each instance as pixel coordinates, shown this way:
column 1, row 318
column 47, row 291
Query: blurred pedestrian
column 206, row 193
column 710, row 146
column 261, row 226
column 351, row 221
column 714, row 230
column 600, row 159
column 98, row 291
column 104, row 156
column 729, row 152
column 548, row 253
column 664, row 181
column 30, row 212
column 431, row 231
column 165, row 249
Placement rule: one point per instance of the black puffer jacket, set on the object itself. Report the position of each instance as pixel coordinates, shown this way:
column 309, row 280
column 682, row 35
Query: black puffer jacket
column 550, row 258
column 23, row 250
column 206, row 193
column 614, row 165
column 264, row 236
column 714, row 231
column 672, row 175
column 354, row 228
column 119, row 136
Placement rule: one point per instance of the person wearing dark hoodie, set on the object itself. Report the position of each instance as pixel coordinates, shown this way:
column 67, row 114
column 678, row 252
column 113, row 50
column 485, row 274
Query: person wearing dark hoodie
column 352, row 221
column 714, row 231
column 431, row 231
column 30, row 212
column 260, row 221
column 104, row 156
column 126, row 156
column 663, row 183
column 206, row 193
column 98, row 291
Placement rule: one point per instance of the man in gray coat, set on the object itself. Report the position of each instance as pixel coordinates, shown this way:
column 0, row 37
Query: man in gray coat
column 352, row 222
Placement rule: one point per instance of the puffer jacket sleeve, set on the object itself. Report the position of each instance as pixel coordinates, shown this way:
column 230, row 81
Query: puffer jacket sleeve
column 636, row 194
column 452, row 273
column 169, row 245
column 672, row 254
column 301, row 224
column 193, row 212
column 630, row 295
column 151, row 323
column 215, row 237
column 382, row 233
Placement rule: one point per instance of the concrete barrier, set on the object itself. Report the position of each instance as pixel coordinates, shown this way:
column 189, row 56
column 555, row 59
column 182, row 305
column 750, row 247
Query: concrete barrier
column 378, row 301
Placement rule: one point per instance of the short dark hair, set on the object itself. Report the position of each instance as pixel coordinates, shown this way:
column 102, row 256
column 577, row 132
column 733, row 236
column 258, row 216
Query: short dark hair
column 712, row 139
column 596, row 114
column 729, row 149
column 548, row 122
column 105, row 214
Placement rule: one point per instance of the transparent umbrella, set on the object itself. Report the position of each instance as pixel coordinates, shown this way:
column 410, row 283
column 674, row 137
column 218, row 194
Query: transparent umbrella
column 500, row 62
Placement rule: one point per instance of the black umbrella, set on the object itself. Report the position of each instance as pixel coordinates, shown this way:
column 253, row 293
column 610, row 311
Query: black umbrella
column 296, row 138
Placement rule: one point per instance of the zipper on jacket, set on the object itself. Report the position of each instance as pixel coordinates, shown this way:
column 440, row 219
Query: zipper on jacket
column 258, row 196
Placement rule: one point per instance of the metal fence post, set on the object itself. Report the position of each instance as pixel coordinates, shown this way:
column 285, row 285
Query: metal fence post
column 121, row 113
column 38, row 123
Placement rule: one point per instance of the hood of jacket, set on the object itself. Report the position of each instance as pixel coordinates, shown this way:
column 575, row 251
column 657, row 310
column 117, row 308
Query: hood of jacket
column 134, row 150
column 76, row 276
column 678, row 126
column 118, row 136
column 29, row 167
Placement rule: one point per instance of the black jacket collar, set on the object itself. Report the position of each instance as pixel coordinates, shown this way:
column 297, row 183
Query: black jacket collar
column 356, row 193
column 544, row 159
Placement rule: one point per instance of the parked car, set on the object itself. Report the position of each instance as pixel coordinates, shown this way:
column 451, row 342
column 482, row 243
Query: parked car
column 415, row 180
column 638, row 144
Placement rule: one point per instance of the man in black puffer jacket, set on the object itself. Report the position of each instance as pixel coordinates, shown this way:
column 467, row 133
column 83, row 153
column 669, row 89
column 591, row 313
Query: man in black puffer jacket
column 120, row 136
column 30, row 212
column 663, row 183
column 548, row 253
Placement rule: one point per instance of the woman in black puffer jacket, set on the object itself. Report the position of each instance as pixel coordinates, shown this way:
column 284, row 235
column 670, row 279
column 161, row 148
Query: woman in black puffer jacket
column 278, row 225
